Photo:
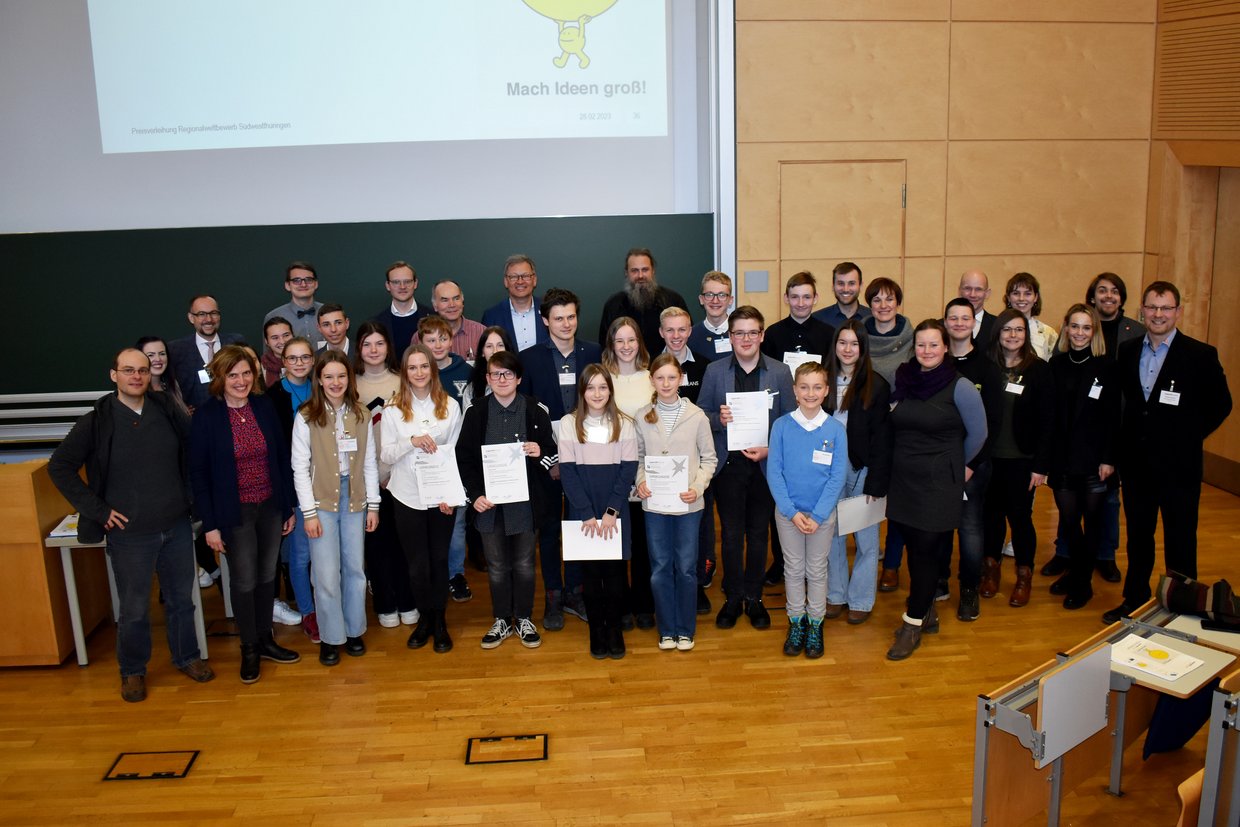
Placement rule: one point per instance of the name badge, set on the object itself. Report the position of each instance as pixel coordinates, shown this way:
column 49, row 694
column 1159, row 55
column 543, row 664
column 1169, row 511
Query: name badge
column 770, row 398
column 723, row 345
column 823, row 457
column 567, row 379
column 597, row 434
column 684, row 380
column 1169, row 397
column 320, row 344
column 1012, row 387
column 346, row 443
column 203, row 376
column 1095, row 391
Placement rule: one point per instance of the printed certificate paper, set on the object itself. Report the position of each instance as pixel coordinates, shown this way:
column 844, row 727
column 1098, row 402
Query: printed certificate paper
column 439, row 481
column 577, row 546
column 667, row 478
column 503, row 473
column 750, row 423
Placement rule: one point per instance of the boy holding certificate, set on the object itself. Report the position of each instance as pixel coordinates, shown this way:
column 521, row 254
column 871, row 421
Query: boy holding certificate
column 806, row 468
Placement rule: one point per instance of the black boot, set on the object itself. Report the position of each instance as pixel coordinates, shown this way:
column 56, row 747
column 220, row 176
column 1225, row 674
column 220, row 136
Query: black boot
column 443, row 641
column 422, row 633
column 249, row 663
column 598, row 640
column 615, row 641
column 268, row 649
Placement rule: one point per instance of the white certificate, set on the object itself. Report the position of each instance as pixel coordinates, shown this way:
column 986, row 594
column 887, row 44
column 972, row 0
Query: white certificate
column 795, row 358
column 503, row 473
column 667, row 477
column 749, row 425
column 577, row 546
column 854, row 514
column 439, row 481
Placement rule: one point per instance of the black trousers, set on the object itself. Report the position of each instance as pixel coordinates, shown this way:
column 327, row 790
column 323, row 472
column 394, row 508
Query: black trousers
column 602, row 588
column 639, row 600
column 424, row 536
column 386, row 567
column 1080, row 499
column 1009, row 501
column 745, row 509
column 1149, row 491
column 926, row 552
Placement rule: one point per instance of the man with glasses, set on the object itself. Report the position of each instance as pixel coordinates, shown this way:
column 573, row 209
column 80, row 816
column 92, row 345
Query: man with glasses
column 709, row 338
column 642, row 299
column 402, row 316
column 518, row 313
column 744, row 501
column 975, row 288
column 1175, row 395
column 301, row 311
column 190, row 355
column 132, row 444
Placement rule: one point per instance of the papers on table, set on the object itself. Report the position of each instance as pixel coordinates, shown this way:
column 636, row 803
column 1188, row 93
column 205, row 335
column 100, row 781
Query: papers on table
column 503, row 473
column 854, row 514
column 439, row 481
column 1153, row 658
column 66, row 528
column 750, row 423
column 795, row 358
column 577, row 546
column 667, row 477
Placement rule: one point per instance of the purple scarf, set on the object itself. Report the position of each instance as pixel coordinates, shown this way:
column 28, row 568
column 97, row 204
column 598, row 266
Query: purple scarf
column 914, row 383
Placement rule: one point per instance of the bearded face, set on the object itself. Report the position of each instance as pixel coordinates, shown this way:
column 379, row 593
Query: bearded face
column 641, row 293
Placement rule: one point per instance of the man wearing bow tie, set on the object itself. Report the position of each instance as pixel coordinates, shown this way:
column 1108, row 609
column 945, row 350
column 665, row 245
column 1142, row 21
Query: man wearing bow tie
column 302, row 311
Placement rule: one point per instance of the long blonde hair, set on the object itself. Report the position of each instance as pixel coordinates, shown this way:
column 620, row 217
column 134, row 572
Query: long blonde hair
column 660, row 361
column 609, row 349
column 404, row 397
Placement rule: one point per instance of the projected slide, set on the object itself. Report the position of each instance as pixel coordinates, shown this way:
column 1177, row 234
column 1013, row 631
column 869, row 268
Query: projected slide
column 182, row 75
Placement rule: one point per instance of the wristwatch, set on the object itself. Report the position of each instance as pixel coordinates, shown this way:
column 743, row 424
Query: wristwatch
column 611, row 512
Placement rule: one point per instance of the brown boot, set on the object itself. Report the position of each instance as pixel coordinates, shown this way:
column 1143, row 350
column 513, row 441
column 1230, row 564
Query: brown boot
column 890, row 581
column 1024, row 584
column 989, row 586
column 908, row 638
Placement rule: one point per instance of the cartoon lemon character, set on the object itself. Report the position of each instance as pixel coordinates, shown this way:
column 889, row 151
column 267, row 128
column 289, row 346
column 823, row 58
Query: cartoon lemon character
column 566, row 13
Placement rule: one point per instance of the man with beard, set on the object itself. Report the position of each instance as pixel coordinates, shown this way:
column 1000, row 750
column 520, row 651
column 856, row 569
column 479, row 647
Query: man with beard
column 641, row 299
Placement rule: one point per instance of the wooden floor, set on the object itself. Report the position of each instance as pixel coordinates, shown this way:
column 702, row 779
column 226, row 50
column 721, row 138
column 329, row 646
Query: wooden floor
column 731, row 733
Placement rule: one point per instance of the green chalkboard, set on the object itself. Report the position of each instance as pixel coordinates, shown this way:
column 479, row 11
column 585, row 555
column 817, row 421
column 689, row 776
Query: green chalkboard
column 75, row 298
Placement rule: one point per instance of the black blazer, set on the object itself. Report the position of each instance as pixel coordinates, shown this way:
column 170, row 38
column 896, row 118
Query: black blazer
column 537, row 429
column 870, row 438
column 1033, row 415
column 986, row 332
column 1174, row 433
column 185, row 361
column 500, row 315
column 538, row 373
column 1085, row 427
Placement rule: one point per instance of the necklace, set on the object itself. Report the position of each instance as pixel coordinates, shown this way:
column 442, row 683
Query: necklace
column 1081, row 362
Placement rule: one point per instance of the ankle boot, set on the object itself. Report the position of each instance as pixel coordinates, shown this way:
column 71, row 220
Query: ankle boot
column 443, row 641
column 794, row 644
column 615, row 640
column 422, row 632
column 1024, row 584
column 930, row 623
column 908, row 638
column 249, row 663
column 598, row 640
column 989, row 586
column 268, row 649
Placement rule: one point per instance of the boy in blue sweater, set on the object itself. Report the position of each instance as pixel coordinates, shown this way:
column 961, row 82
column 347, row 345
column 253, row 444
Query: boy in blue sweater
column 805, row 470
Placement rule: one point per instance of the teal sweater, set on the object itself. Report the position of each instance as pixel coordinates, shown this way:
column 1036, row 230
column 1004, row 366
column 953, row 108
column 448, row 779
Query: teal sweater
column 797, row 483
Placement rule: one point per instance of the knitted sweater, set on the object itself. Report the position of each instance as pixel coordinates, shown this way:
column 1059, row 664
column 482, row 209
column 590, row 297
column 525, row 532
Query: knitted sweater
column 797, row 482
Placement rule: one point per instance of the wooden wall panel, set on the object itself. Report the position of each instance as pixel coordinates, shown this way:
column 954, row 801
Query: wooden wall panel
column 1063, row 277
column 1115, row 11
column 842, row 10
column 757, row 189
column 1187, row 9
column 841, row 81
column 1045, row 196
column 1093, row 80
column 924, row 291
column 841, row 209
column 1224, row 299
column 1197, row 79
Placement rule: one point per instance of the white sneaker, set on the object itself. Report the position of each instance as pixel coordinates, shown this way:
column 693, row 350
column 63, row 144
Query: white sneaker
column 281, row 613
column 1007, row 550
column 389, row 620
column 410, row 618
column 684, row 643
column 667, row 642
column 206, row 578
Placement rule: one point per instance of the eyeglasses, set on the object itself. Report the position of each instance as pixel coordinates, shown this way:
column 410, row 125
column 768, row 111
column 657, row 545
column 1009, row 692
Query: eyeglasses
column 297, row 360
column 206, row 314
column 1158, row 308
column 714, row 297
column 1017, row 329
column 502, row 375
column 402, row 282
column 519, row 276
column 745, row 334
column 302, row 281
column 132, row 371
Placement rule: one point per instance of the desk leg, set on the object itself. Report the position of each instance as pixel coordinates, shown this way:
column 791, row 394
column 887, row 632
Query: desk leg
column 1117, row 744
column 75, row 611
column 224, row 583
column 116, row 597
column 200, row 626
column 981, row 743
column 1052, row 811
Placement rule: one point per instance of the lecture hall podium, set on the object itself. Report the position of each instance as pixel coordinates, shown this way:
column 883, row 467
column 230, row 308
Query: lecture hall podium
column 34, row 609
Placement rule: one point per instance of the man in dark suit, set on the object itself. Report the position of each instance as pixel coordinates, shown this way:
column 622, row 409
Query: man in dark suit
column 190, row 355
column 975, row 287
column 401, row 317
column 518, row 312
column 550, row 373
column 642, row 299
column 1175, row 395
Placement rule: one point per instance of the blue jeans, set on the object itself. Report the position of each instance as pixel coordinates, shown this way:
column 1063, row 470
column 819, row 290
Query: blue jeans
column 336, row 567
column 970, row 531
column 135, row 558
column 857, row 591
column 295, row 550
column 893, row 547
column 456, row 547
column 672, row 540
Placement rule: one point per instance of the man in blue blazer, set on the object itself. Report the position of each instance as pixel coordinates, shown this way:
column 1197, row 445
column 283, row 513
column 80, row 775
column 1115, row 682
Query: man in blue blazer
column 1175, row 395
column 518, row 313
column 741, row 492
column 189, row 355
column 550, row 372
